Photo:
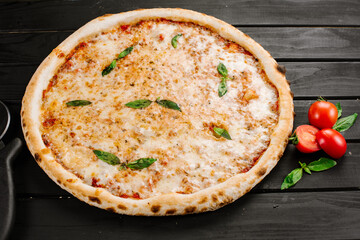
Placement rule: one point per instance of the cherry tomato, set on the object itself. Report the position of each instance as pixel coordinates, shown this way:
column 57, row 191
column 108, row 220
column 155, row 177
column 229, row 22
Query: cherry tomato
column 306, row 139
column 332, row 142
column 322, row 114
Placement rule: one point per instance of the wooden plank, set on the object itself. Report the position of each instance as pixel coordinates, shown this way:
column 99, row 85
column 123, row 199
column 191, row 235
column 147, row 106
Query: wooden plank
column 65, row 15
column 308, row 79
column 312, row 215
column 30, row 179
column 283, row 43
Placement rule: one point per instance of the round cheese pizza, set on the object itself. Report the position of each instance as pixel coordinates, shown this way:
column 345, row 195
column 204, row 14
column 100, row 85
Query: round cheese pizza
column 158, row 112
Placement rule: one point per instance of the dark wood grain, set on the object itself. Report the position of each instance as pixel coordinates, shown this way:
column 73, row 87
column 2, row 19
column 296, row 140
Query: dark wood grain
column 308, row 79
column 312, row 215
column 65, row 15
column 282, row 43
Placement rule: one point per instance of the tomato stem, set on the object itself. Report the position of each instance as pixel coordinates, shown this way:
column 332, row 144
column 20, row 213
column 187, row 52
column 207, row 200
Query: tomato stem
column 320, row 98
column 294, row 139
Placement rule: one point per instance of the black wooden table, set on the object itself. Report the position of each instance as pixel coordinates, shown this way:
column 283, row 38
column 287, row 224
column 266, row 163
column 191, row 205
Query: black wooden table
column 317, row 41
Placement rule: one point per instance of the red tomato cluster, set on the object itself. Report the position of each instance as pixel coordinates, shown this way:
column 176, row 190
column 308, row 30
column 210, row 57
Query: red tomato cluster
column 322, row 115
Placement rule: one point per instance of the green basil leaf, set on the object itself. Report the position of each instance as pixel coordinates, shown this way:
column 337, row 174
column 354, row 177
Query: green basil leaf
column 107, row 157
column 222, row 87
column 222, row 132
column 292, row 178
column 76, row 103
column 345, row 123
column 125, row 53
column 168, row 104
column 321, row 164
column 141, row 163
column 109, row 68
column 222, row 70
column 303, row 165
column 122, row 166
column 339, row 109
column 307, row 170
column 141, row 103
column 294, row 139
column 174, row 40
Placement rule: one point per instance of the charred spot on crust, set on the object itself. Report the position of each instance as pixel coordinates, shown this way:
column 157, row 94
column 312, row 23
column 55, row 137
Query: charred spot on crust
column 203, row 209
column 70, row 180
column 24, row 124
column 95, row 199
column 261, row 172
column 281, row 68
column 221, row 193
column 170, row 211
column 214, row 198
column 110, row 209
column 22, row 113
column 122, row 207
column 225, row 202
column 37, row 157
column 203, row 200
column 292, row 94
column 190, row 209
column 155, row 208
column 59, row 182
column 26, row 133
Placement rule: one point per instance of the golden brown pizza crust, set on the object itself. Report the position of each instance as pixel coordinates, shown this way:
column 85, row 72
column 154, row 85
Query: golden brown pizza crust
column 169, row 204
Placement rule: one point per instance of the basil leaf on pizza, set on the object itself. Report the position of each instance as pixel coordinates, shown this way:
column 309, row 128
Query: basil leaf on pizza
column 107, row 157
column 125, row 53
column 76, row 103
column 141, row 163
column 222, row 87
column 174, row 40
column 168, row 104
column 222, row 70
column 180, row 156
column 109, row 68
column 222, row 132
column 141, row 103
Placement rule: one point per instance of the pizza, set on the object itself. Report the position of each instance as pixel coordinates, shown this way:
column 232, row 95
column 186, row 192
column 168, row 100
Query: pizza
column 157, row 112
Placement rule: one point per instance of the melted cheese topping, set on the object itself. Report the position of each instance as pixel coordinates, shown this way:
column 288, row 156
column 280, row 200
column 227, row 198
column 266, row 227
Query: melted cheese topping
column 189, row 155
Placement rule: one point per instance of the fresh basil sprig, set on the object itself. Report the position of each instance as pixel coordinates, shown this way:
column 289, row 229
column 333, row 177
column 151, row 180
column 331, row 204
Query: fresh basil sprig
column 316, row 166
column 141, row 163
column 339, row 109
column 112, row 65
column 114, row 160
column 168, row 104
column 141, row 103
column 174, row 40
column 107, row 157
column 222, row 70
column 345, row 123
column 222, row 132
column 76, row 103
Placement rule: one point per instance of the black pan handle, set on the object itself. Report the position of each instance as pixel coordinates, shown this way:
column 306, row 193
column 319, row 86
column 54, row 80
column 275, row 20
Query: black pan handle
column 7, row 191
